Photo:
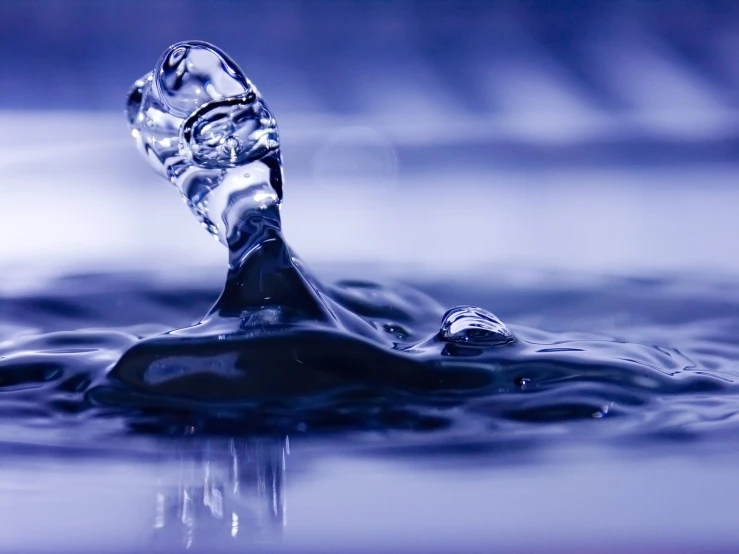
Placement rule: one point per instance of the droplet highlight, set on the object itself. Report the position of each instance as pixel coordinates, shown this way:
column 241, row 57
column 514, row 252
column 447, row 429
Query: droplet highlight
column 473, row 326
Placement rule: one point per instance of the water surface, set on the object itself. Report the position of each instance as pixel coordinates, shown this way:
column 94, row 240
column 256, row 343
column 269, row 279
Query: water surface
column 504, row 460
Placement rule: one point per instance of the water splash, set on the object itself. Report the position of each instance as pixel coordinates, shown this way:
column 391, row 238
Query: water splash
column 277, row 334
column 72, row 358
column 204, row 126
column 280, row 351
column 207, row 129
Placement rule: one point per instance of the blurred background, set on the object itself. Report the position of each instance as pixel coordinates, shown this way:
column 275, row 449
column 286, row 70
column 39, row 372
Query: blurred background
column 439, row 137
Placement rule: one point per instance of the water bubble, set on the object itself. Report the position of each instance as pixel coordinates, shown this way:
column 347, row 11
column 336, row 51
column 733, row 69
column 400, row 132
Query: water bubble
column 202, row 124
column 522, row 382
column 474, row 326
column 232, row 146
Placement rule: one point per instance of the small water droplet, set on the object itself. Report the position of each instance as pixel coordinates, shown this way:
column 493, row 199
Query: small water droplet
column 522, row 382
column 231, row 146
column 474, row 326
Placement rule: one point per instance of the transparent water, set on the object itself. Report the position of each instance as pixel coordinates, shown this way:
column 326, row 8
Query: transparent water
column 298, row 415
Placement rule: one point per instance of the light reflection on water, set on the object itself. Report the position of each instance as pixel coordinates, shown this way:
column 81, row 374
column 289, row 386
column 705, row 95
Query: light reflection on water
column 227, row 488
column 231, row 496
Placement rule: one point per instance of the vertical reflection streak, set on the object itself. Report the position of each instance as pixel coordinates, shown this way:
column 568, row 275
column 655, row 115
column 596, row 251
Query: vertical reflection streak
column 230, row 477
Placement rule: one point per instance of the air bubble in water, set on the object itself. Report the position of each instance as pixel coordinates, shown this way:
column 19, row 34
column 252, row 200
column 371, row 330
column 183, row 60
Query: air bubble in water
column 474, row 326
column 232, row 146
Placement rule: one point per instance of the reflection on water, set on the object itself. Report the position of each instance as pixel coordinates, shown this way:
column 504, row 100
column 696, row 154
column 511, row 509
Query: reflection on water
column 224, row 488
column 217, row 496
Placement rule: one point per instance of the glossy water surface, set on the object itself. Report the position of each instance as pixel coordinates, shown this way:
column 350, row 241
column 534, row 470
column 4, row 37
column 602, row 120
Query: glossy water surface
column 632, row 357
column 629, row 391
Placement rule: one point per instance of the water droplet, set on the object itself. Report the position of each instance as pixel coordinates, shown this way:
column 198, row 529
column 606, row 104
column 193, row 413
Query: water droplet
column 522, row 382
column 204, row 126
column 232, row 147
column 474, row 326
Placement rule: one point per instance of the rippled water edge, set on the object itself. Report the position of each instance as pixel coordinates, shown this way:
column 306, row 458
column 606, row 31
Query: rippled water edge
column 87, row 321
column 627, row 481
